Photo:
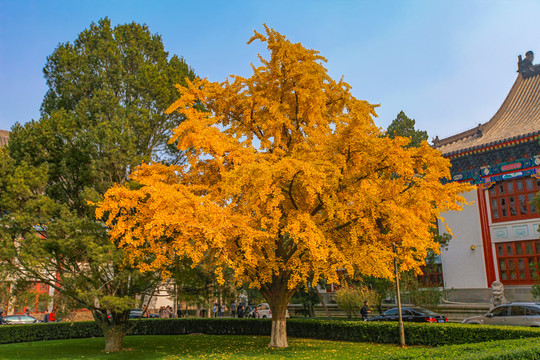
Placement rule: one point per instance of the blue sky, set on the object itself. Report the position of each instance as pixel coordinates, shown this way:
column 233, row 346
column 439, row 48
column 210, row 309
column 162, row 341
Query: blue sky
column 447, row 64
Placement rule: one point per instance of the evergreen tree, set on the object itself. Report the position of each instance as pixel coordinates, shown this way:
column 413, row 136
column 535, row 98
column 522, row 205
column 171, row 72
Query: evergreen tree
column 102, row 115
column 404, row 126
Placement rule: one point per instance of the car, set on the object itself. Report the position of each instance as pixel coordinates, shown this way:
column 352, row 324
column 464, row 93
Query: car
column 514, row 314
column 262, row 311
column 411, row 314
column 20, row 319
column 137, row 314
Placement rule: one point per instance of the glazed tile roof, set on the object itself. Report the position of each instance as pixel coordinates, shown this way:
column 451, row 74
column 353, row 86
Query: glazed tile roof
column 517, row 118
column 4, row 137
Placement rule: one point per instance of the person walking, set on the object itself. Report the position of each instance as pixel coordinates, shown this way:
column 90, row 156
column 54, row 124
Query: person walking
column 241, row 310
column 233, row 309
column 365, row 311
column 52, row 315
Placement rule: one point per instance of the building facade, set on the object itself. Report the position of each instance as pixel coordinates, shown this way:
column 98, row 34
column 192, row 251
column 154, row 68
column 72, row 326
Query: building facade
column 497, row 236
column 4, row 137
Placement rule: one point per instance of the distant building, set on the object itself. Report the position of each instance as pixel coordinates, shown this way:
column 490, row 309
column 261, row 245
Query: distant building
column 4, row 137
column 497, row 237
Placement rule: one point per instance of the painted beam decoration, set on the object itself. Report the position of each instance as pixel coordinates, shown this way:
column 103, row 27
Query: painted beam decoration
column 503, row 171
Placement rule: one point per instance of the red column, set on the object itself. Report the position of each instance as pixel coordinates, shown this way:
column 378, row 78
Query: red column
column 486, row 237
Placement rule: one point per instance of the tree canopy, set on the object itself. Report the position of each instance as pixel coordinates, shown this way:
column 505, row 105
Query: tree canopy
column 288, row 179
column 103, row 115
column 404, row 126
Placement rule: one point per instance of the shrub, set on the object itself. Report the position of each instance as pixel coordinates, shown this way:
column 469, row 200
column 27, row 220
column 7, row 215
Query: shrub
column 351, row 299
column 376, row 332
column 50, row 331
column 492, row 350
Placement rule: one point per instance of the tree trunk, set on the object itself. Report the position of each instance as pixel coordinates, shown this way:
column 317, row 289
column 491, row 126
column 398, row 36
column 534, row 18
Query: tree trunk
column 113, row 339
column 114, row 328
column 278, row 304
column 278, row 338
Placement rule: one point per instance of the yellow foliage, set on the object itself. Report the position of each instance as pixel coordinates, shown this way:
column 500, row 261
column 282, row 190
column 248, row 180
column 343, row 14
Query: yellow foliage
column 288, row 179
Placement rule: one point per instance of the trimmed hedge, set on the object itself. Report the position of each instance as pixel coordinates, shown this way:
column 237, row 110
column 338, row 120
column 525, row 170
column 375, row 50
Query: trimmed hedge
column 516, row 349
column 376, row 332
column 415, row 333
column 49, row 331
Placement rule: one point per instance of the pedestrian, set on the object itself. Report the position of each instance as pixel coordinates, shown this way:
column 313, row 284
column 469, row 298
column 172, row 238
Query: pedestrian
column 215, row 310
column 241, row 310
column 233, row 309
column 179, row 312
column 52, row 315
column 221, row 310
column 365, row 311
column 26, row 311
column 46, row 317
column 170, row 313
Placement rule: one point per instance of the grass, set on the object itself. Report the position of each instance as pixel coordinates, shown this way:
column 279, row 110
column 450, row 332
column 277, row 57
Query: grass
column 179, row 347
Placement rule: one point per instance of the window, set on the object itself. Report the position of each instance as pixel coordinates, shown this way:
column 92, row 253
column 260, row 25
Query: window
column 391, row 312
column 433, row 275
column 517, row 311
column 518, row 261
column 512, row 199
column 500, row 311
column 532, row 311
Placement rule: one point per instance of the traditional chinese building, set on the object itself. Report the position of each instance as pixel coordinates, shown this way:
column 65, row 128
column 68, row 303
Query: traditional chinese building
column 497, row 237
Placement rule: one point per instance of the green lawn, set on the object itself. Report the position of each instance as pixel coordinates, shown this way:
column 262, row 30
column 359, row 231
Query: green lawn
column 177, row 347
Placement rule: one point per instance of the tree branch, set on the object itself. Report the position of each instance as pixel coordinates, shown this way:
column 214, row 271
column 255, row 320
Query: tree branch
column 318, row 207
column 290, row 189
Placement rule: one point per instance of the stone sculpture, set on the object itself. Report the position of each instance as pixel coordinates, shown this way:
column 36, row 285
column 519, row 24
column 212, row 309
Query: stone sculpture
column 497, row 295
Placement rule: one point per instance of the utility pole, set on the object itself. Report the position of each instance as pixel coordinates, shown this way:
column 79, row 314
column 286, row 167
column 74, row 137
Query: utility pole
column 401, row 329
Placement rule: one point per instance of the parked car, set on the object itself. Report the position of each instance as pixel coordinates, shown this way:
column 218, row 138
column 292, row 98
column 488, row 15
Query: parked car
column 515, row 314
column 411, row 314
column 20, row 319
column 137, row 313
column 262, row 311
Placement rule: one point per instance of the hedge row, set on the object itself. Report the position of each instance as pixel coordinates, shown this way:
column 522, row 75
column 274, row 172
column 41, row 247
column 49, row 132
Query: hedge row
column 376, row 332
column 49, row 331
column 516, row 349
column 415, row 333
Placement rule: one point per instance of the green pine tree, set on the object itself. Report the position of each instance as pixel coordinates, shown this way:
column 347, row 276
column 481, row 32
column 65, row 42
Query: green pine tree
column 102, row 115
column 404, row 126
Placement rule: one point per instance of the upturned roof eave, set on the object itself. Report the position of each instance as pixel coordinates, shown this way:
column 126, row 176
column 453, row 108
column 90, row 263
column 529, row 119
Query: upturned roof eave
column 507, row 141
column 483, row 128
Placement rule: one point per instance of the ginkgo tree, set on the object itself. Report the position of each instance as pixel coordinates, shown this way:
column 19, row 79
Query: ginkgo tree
column 288, row 180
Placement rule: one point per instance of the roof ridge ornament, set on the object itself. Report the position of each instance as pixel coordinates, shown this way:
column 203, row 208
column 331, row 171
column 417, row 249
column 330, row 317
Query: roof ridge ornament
column 526, row 67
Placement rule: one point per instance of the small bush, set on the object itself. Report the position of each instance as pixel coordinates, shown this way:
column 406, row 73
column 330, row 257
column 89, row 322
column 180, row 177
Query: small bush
column 351, row 299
